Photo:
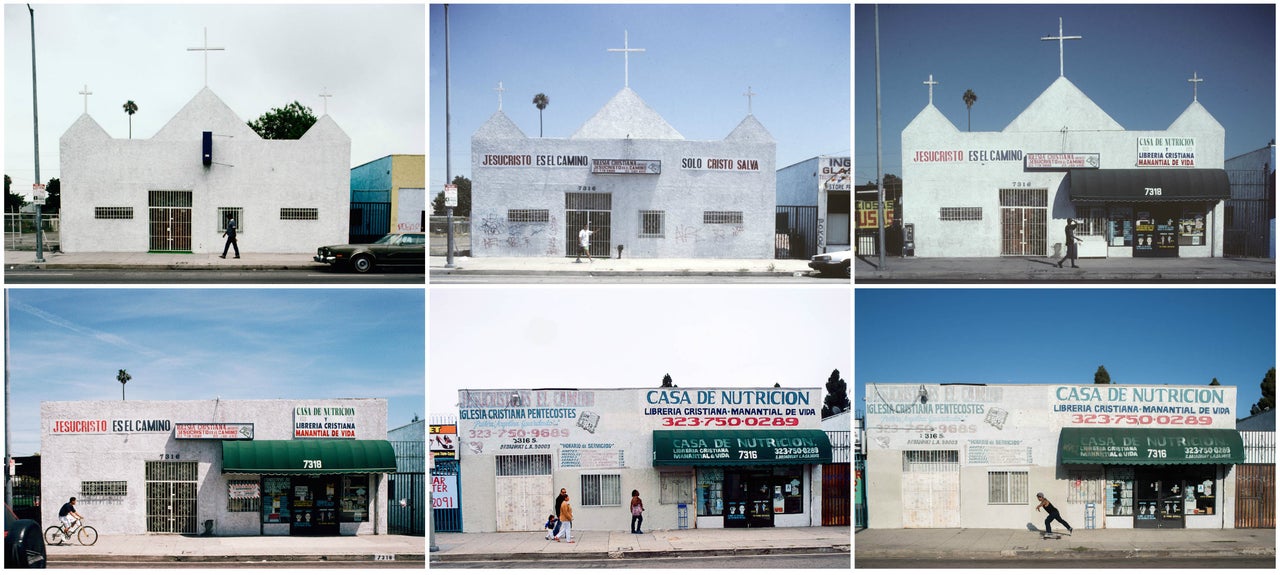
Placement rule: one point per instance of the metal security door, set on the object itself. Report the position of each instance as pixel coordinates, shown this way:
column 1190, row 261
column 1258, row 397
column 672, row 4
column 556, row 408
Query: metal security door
column 930, row 489
column 795, row 232
column 171, row 496
column 835, row 494
column 523, row 491
column 593, row 210
column 170, row 221
column 446, row 514
column 1255, row 496
column 1024, row 218
column 369, row 221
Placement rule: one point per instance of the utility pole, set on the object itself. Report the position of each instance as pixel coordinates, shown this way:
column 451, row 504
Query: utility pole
column 35, row 124
column 8, row 480
column 879, row 169
column 448, row 168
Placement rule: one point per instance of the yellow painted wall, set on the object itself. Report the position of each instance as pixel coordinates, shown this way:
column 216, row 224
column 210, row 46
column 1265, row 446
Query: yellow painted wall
column 407, row 171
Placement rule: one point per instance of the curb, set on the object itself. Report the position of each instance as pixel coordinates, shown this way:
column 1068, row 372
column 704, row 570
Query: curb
column 615, row 273
column 1012, row 554
column 160, row 267
column 674, row 553
column 364, row 557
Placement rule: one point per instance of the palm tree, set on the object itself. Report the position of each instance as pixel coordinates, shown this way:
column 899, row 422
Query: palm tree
column 969, row 99
column 130, row 108
column 541, row 101
column 123, row 377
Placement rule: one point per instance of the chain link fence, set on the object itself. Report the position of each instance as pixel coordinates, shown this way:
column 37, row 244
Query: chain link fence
column 20, row 232
column 439, row 227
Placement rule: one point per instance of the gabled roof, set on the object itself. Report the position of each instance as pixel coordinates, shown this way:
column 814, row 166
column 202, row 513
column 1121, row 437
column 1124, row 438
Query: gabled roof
column 86, row 128
column 1197, row 118
column 499, row 127
column 325, row 129
column 627, row 116
column 206, row 112
column 750, row 130
column 1061, row 105
column 930, row 120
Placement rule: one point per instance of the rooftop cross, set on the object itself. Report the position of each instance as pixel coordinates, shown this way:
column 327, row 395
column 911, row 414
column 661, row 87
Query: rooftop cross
column 749, row 94
column 86, row 93
column 931, row 84
column 206, row 49
column 626, row 55
column 1195, row 85
column 1060, row 38
column 324, row 93
column 499, row 90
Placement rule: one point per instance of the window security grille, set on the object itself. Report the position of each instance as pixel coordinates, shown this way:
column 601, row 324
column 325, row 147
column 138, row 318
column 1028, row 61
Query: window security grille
column 529, row 216
column 960, row 214
column 588, row 201
column 1092, row 221
column 225, row 214
column 1085, row 487
column 113, row 213
column 676, row 488
column 601, row 490
column 90, row 489
column 926, row 461
column 721, row 217
column 299, row 213
column 171, row 496
column 536, row 464
column 169, row 199
column 1007, row 487
column 652, row 224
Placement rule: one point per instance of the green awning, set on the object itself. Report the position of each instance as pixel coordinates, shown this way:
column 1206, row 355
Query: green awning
column 1147, row 446
column 741, row 447
column 308, row 456
column 1150, row 185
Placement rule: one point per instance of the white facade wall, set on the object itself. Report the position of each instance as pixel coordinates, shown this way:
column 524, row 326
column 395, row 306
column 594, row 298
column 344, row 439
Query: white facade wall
column 554, row 422
column 1060, row 120
column 413, row 201
column 1008, row 428
column 67, row 459
column 260, row 176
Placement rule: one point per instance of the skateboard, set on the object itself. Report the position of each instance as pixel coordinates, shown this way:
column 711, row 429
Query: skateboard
column 1055, row 535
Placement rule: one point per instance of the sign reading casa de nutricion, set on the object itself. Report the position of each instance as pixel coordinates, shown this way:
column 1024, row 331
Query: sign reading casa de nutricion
column 324, row 422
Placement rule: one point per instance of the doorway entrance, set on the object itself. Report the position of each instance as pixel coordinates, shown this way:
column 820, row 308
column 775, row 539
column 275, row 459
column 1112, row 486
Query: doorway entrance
column 593, row 210
column 315, row 506
column 748, row 498
column 171, row 496
column 170, row 221
column 1159, row 500
column 1024, row 222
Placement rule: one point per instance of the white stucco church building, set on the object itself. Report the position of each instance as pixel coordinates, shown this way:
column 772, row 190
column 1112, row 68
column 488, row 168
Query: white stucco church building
column 1144, row 193
column 630, row 177
column 175, row 191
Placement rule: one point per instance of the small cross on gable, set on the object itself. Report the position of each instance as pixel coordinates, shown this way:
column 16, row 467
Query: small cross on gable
column 86, row 93
column 1195, row 85
column 931, row 84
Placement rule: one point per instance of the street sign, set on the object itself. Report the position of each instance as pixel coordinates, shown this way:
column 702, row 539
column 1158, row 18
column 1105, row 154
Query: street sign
column 39, row 194
column 450, row 195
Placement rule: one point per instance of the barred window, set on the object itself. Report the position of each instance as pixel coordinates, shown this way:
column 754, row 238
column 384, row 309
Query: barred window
column 653, row 224
column 601, row 490
column 103, row 489
column 1007, row 487
column 243, row 495
column 1085, row 486
column 676, row 488
column 721, row 217
column 113, row 213
column 516, row 465
column 1091, row 221
column 225, row 215
column 529, row 216
column 1024, row 198
column 299, row 214
column 960, row 214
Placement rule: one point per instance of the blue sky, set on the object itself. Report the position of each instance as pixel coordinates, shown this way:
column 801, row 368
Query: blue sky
column 698, row 62
column 69, row 344
column 1134, row 62
column 1142, row 336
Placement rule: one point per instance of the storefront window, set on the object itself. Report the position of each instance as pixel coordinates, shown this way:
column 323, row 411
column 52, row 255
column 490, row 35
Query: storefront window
column 1201, row 487
column 243, row 495
column 1121, row 230
column 275, row 499
column 355, row 499
column 1092, row 221
column 711, row 491
column 787, row 485
column 1119, row 491
column 1191, row 228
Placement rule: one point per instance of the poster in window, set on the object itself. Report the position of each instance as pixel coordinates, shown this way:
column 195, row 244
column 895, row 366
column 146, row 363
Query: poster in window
column 355, row 499
column 1191, row 229
column 275, row 500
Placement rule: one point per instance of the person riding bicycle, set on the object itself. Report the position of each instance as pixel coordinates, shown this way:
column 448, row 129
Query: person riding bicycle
column 67, row 515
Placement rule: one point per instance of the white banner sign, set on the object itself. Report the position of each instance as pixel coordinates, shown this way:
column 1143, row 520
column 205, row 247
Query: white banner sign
column 317, row 422
column 1061, row 161
column 1167, row 152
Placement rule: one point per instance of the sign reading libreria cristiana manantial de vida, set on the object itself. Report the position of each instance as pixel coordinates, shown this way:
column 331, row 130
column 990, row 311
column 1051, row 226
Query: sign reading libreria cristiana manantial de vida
column 318, row 422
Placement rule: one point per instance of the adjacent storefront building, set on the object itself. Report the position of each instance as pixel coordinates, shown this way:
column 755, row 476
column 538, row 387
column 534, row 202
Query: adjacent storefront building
column 219, row 467
column 700, row 458
column 1107, row 456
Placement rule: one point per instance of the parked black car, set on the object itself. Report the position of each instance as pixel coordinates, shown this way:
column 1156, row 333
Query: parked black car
column 23, row 544
column 408, row 250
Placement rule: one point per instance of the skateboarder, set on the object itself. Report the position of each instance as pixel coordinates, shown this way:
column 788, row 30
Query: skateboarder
column 1053, row 514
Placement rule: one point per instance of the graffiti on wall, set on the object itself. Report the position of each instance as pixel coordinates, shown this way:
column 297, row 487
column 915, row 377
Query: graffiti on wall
column 497, row 231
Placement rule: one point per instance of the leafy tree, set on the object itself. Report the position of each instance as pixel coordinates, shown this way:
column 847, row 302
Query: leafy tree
column 969, row 99
column 541, row 101
column 1268, row 401
column 123, row 377
column 1214, row 382
column 130, row 108
column 1101, row 376
column 53, row 203
column 837, row 399
column 776, row 384
column 464, row 199
column 287, row 123
column 13, row 202
column 666, row 381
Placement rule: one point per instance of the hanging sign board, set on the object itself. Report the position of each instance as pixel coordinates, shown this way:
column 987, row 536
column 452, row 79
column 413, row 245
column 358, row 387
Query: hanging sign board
column 223, row 431
column 626, row 166
column 450, row 196
column 1061, row 161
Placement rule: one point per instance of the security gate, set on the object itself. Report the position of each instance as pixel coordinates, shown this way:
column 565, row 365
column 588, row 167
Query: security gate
column 835, row 494
column 171, row 496
column 930, row 489
column 593, row 210
column 170, row 221
column 1255, row 496
column 1024, row 222
column 795, row 232
column 446, row 498
column 524, row 491
column 369, row 221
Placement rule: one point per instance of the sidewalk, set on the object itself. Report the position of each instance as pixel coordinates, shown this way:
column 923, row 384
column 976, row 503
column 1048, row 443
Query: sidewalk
column 167, row 548
column 624, row 545
column 619, row 267
column 1091, row 543
column 146, row 261
column 1034, row 269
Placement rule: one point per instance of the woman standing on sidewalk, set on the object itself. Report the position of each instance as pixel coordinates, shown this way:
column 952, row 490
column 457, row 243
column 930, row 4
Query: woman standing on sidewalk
column 566, row 520
column 637, row 512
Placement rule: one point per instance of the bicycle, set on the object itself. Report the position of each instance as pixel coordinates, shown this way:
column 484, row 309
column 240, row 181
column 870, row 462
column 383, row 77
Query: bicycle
column 85, row 534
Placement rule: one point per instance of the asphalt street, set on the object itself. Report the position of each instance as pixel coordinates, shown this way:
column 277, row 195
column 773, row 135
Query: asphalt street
column 797, row 561
column 1045, row 563
column 237, row 565
column 212, row 276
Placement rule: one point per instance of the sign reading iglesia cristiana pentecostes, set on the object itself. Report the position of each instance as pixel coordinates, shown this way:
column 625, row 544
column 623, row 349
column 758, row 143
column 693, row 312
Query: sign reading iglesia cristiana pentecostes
column 1167, row 152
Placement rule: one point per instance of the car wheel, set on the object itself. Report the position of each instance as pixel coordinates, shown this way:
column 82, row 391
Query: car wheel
column 847, row 269
column 362, row 264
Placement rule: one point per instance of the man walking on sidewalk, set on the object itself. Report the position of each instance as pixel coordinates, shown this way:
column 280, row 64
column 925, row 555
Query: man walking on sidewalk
column 1053, row 514
column 584, row 244
column 230, row 234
